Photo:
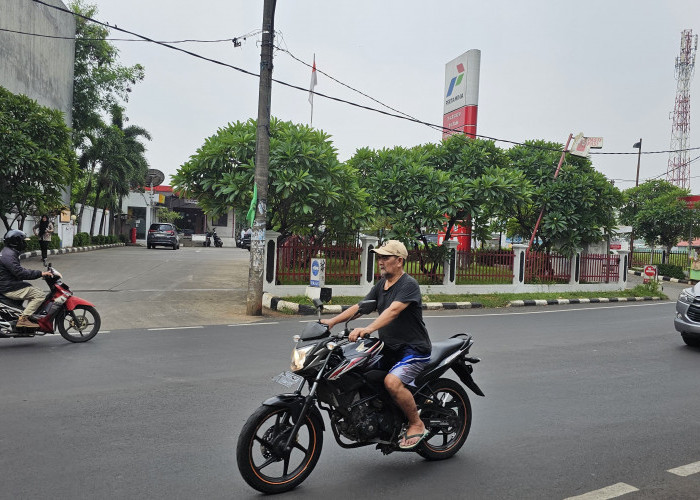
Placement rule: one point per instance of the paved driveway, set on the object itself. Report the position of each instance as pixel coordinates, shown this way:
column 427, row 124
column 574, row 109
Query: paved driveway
column 133, row 287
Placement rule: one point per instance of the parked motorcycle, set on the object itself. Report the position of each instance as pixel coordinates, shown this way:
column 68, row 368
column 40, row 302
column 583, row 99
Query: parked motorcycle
column 218, row 242
column 76, row 319
column 281, row 441
column 207, row 239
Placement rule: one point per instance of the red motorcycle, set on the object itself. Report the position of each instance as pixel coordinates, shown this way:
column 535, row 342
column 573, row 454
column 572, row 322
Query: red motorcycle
column 76, row 319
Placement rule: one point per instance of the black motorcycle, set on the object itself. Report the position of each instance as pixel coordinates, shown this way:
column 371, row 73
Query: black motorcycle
column 281, row 441
column 218, row 242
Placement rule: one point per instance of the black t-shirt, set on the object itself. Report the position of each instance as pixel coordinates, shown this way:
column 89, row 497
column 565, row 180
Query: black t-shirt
column 408, row 328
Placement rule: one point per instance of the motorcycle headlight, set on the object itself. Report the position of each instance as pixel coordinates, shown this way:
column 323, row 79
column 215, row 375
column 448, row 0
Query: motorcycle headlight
column 687, row 296
column 299, row 356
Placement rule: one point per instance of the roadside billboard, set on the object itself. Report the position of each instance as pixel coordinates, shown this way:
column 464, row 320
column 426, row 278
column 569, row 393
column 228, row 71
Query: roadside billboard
column 461, row 94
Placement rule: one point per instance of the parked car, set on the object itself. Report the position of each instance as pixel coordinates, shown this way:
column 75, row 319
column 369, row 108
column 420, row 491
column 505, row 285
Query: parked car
column 243, row 241
column 687, row 320
column 163, row 234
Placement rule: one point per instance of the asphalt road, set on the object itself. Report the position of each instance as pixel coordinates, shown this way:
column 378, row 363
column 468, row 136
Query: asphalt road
column 578, row 398
column 133, row 287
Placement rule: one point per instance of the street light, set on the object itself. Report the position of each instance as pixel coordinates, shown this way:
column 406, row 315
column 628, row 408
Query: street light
column 636, row 183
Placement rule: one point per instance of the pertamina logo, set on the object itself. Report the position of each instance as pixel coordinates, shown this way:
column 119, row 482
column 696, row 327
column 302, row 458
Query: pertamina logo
column 456, row 80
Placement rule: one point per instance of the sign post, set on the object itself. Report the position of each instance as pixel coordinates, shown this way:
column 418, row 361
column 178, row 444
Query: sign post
column 649, row 274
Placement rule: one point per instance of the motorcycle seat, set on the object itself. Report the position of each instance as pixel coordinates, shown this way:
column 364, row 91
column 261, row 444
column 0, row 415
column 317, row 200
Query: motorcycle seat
column 441, row 350
column 10, row 302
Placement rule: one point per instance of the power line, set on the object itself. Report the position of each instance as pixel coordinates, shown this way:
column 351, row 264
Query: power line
column 40, row 35
column 336, row 99
column 435, row 127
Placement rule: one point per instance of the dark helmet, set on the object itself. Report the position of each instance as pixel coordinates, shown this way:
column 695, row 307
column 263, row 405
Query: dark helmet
column 16, row 239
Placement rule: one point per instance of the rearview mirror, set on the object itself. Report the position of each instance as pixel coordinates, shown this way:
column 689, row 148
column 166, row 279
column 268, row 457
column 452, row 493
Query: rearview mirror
column 367, row 306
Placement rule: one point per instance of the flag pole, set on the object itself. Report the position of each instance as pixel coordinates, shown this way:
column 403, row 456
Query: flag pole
column 311, row 89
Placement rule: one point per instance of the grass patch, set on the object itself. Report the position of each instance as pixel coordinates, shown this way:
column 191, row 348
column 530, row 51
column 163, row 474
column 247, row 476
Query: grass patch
column 502, row 299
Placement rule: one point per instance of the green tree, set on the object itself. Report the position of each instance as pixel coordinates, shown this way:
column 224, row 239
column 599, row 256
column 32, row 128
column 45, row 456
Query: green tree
column 99, row 82
column 166, row 215
column 579, row 206
column 124, row 167
column 657, row 214
column 310, row 192
column 433, row 187
column 36, row 158
column 112, row 163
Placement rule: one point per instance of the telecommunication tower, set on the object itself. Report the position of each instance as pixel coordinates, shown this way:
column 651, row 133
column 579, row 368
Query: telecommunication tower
column 678, row 171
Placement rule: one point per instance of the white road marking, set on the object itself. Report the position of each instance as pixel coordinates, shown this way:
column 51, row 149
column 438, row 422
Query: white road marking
column 539, row 311
column 256, row 324
column 614, row 491
column 174, row 328
column 686, row 470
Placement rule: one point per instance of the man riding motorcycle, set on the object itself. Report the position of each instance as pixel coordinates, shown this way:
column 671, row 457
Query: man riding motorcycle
column 12, row 275
column 401, row 327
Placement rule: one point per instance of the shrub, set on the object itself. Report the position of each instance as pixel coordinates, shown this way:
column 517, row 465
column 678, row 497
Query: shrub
column 81, row 240
column 670, row 270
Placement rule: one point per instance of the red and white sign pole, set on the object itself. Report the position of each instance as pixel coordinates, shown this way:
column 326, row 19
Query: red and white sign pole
column 649, row 273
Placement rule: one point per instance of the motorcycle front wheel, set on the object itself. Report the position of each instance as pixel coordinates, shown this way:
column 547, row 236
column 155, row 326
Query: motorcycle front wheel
column 262, row 459
column 79, row 325
column 447, row 414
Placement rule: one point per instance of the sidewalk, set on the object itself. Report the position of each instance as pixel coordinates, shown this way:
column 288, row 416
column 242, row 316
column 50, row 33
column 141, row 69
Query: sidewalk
column 279, row 304
column 37, row 253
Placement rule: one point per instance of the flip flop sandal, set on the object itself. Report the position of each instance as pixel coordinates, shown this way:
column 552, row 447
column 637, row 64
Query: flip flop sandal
column 420, row 437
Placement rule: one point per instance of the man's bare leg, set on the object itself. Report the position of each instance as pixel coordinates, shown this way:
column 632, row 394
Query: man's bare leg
column 404, row 399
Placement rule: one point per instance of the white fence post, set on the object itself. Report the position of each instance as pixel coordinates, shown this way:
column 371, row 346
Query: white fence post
column 519, row 264
column 576, row 266
column 624, row 263
column 270, row 259
column 450, row 264
column 367, row 261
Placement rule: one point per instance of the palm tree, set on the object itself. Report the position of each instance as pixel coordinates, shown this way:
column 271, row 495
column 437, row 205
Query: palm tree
column 122, row 164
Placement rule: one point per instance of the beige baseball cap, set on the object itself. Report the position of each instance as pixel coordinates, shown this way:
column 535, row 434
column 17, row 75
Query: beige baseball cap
column 392, row 247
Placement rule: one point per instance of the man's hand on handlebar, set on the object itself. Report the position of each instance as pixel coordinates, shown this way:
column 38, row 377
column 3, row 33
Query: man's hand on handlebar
column 359, row 333
column 46, row 273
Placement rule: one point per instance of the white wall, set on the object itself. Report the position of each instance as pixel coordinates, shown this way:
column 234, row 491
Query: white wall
column 84, row 226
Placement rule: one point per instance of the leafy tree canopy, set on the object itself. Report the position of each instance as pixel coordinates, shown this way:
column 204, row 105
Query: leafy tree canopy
column 432, row 187
column 657, row 214
column 579, row 206
column 36, row 157
column 309, row 193
column 99, row 81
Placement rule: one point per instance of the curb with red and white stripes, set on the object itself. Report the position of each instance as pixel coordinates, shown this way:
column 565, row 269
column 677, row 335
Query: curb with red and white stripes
column 57, row 251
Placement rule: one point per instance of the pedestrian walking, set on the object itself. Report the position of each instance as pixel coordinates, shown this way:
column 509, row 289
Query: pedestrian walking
column 44, row 229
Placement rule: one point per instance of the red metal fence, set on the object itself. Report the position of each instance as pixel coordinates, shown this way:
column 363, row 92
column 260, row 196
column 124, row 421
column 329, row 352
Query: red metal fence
column 546, row 268
column 294, row 263
column 599, row 268
column 421, row 266
column 485, row 267
column 343, row 266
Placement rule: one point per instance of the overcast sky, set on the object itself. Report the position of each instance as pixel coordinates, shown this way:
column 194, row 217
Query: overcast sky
column 548, row 68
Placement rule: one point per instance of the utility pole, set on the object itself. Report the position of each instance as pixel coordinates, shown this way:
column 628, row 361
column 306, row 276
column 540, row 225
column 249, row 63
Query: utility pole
column 262, row 162
column 636, row 183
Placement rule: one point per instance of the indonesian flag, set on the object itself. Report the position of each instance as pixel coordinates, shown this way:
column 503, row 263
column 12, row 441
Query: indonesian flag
column 313, row 83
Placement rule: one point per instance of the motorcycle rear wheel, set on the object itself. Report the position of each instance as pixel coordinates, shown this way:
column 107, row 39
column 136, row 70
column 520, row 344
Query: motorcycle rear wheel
column 79, row 325
column 260, row 454
column 448, row 415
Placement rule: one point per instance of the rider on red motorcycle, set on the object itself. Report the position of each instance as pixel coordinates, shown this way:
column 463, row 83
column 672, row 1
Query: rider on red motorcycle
column 12, row 275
